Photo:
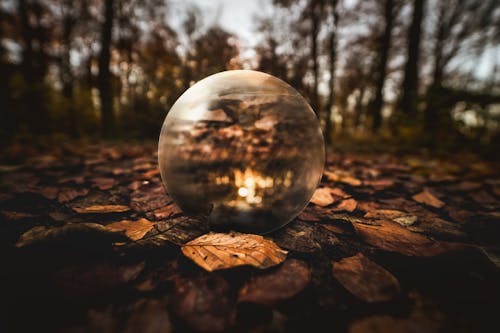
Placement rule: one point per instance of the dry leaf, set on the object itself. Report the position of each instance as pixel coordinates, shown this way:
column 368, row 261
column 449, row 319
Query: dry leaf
column 134, row 230
column 348, row 205
column 149, row 197
column 215, row 251
column 398, row 216
column 14, row 216
column 82, row 279
column 322, row 197
column 49, row 192
column 204, row 303
column 428, row 198
column 284, row 282
column 338, row 192
column 167, row 212
column 69, row 194
column 101, row 209
column 365, row 279
column 343, row 177
column 379, row 184
column 390, row 236
column 384, row 213
column 103, row 183
column 406, row 220
column 145, row 316
column 387, row 324
column 83, row 233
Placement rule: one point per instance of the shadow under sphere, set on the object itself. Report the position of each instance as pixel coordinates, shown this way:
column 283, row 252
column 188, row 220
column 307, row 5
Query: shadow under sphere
column 242, row 149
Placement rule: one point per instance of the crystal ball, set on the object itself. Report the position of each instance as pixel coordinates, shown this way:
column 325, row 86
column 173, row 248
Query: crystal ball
column 242, row 150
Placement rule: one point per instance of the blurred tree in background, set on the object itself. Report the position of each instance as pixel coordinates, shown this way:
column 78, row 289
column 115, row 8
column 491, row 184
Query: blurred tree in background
column 400, row 71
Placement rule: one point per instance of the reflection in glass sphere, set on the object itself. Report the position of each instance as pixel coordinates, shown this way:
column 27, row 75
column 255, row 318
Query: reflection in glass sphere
column 243, row 149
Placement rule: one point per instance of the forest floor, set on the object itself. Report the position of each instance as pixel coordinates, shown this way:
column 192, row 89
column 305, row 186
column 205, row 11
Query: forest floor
column 91, row 242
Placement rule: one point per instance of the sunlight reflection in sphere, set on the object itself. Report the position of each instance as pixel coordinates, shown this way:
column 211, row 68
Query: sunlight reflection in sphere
column 242, row 149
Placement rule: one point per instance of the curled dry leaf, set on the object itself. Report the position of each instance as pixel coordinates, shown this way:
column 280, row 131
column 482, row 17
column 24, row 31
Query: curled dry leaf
column 286, row 281
column 215, row 251
column 428, row 198
column 134, row 230
column 390, row 236
column 101, row 209
column 365, row 279
column 322, row 197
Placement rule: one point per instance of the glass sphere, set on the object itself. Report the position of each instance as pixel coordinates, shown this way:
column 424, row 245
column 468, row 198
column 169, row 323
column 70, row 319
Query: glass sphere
column 242, row 149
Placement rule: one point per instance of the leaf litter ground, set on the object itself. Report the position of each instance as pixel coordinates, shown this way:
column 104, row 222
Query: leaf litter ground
column 91, row 242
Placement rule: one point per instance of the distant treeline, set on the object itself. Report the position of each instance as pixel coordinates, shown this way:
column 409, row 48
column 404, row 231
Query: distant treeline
column 391, row 68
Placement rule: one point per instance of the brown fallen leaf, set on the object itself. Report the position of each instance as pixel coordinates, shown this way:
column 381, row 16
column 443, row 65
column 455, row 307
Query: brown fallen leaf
column 151, row 173
column 406, row 220
column 149, row 197
column 398, row 216
column 322, row 197
column 467, row 186
column 342, row 177
column 338, row 192
column 15, row 216
column 167, row 211
column 435, row 226
column 68, row 194
column 145, row 316
column 428, row 198
column 204, row 303
column 298, row 236
column 390, row 236
column 71, row 233
column 283, row 283
column 215, row 251
column 384, row 213
column 365, row 279
column 348, row 205
column 103, row 183
column 49, row 192
column 379, row 184
column 343, row 229
column 101, row 209
column 95, row 278
column 387, row 324
column 309, row 216
column 134, row 230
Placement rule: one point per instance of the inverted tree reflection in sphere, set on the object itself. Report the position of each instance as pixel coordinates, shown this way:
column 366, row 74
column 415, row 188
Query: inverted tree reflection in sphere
column 243, row 149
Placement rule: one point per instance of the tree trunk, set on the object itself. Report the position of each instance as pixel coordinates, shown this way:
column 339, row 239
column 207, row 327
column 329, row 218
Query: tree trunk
column 431, row 121
column 358, row 108
column 332, row 58
column 104, row 77
column 314, row 54
column 66, row 73
column 34, row 66
column 384, row 46
column 409, row 99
